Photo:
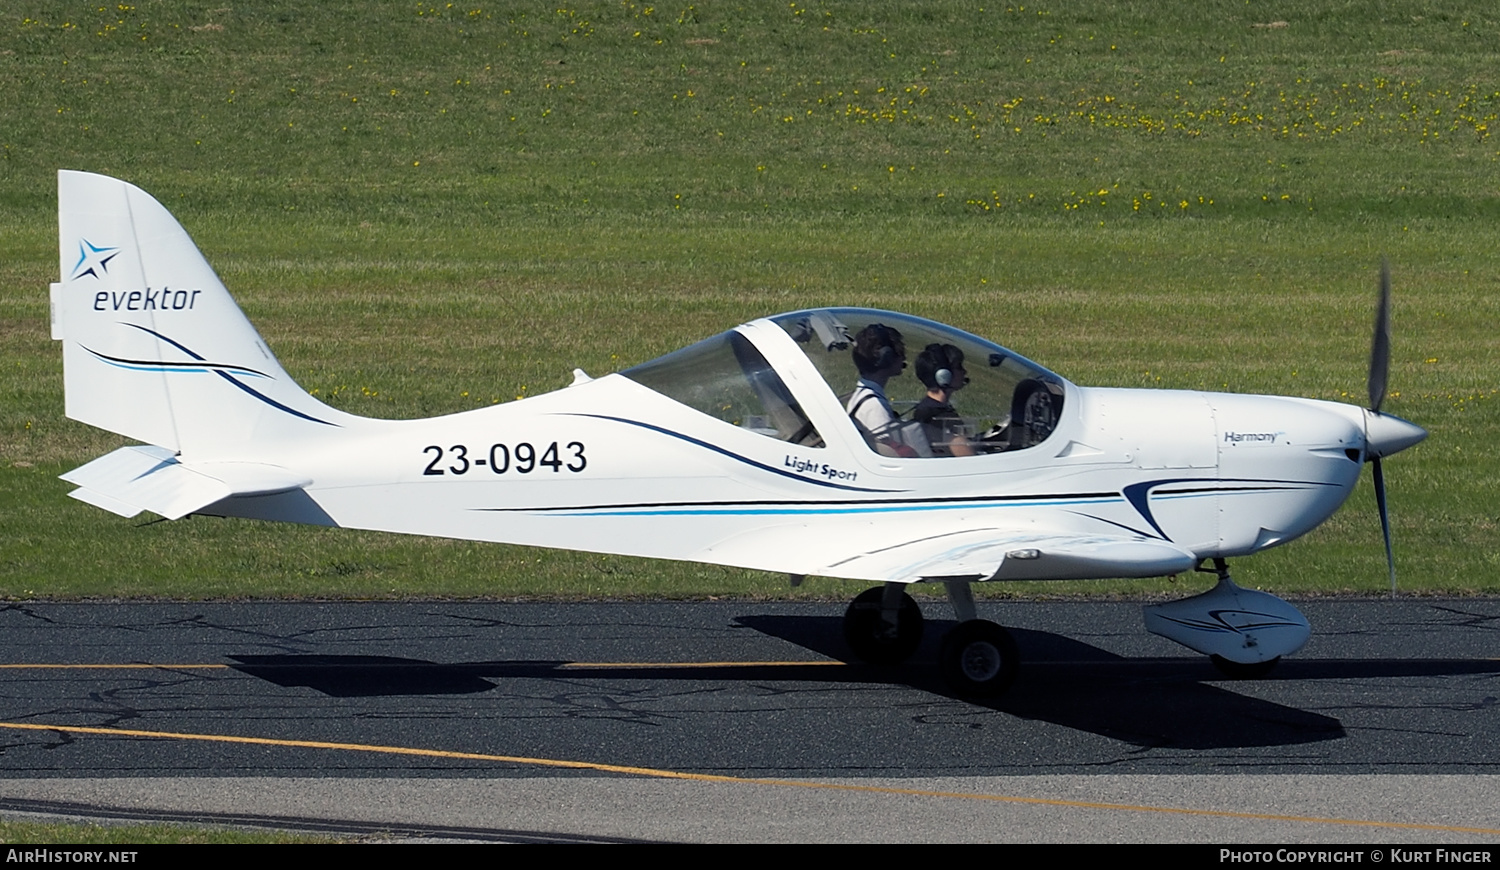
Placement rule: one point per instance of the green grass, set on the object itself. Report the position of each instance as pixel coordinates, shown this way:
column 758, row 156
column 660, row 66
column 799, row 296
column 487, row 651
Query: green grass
column 14, row 833
column 427, row 208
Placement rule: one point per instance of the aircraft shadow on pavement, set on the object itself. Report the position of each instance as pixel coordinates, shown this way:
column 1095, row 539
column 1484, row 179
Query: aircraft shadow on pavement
column 1147, row 702
column 355, row 676
column 363, row 676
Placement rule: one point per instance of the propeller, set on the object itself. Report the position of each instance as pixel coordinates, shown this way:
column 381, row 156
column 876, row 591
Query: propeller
column 1380, row 370
column 1380, row 345
column 1384, row 434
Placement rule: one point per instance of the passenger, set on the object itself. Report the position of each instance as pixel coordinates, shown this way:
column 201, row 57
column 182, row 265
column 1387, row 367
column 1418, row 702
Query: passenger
column 940, row 368
column 880, row 355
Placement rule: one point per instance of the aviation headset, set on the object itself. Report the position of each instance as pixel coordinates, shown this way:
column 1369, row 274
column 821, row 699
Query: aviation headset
column 936, row 363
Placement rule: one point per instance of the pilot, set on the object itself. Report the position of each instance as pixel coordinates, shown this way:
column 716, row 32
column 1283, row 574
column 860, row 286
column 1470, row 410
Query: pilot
column 880, row 355
column 940, row 368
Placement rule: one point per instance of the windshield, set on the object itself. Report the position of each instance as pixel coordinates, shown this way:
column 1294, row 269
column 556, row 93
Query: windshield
column 918, row 388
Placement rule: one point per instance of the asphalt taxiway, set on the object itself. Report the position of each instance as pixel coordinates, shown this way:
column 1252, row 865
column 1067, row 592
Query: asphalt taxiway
column 740, row 721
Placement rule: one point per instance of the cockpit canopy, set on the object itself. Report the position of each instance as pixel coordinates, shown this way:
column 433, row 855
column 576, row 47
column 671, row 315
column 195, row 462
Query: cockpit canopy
column 728, row 378
column 997, row 401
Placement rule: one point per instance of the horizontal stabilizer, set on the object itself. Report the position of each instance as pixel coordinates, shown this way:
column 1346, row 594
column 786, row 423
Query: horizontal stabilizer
column 100, row 500
column 133, row 479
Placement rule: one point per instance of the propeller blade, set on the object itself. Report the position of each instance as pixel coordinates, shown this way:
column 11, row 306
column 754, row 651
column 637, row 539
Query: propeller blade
column 1385, row 523
column 1380, row 345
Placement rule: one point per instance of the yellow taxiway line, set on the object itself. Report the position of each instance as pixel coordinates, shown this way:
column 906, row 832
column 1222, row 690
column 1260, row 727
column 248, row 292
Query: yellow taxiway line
column 603, row 665
column 562, row 666
column 709, row 777
column 102, row 667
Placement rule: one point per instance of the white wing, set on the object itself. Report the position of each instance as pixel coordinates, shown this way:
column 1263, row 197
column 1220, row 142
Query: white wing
column 977, row 554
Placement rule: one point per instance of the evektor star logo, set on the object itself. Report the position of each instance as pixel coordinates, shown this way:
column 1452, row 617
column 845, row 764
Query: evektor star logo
column 93, row 259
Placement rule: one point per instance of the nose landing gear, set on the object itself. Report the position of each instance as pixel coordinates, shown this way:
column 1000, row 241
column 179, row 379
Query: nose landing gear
column 1244, row 632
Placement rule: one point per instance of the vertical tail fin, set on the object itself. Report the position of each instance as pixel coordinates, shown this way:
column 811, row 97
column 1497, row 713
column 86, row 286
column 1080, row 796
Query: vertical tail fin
column 154, row 348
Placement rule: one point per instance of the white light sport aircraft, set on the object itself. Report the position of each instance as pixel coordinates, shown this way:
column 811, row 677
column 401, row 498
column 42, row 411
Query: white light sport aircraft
column 750, row 448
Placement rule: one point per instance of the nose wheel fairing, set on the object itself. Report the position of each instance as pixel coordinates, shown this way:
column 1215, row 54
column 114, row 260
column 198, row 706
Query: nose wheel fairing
column 1240, row 626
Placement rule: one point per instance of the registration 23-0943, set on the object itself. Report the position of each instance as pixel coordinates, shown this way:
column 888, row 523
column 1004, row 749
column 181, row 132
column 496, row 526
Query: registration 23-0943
column 521, row 457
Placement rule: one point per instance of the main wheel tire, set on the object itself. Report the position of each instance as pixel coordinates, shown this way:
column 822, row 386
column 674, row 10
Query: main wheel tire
column 979, row 658
column 1241, row 671
column 872, row 638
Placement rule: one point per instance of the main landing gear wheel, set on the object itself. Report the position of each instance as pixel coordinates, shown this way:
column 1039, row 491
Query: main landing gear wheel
column 980, row 658
column 1239, row 671
column 875, row 640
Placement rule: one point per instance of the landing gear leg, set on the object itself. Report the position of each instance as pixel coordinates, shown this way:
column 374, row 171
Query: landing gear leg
column 961, row 596
column 883, row 625
column 978, row 657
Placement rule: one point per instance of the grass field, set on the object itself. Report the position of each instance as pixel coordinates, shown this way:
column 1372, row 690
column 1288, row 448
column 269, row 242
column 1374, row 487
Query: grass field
column 425, row 207
column 34, row 833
